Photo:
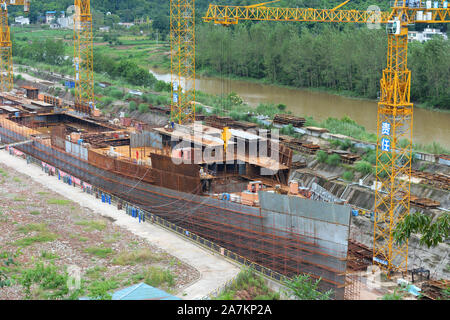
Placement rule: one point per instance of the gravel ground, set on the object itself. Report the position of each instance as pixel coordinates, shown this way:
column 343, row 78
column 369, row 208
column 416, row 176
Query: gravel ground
column 28, row 211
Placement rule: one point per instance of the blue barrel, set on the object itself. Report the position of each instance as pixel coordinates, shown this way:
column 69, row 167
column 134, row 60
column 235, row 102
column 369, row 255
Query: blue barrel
column 103, row 198
column 109, row 199
column 354, row 213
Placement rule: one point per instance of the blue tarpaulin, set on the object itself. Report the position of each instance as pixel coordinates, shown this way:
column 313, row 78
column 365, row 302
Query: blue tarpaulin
column 140, row 291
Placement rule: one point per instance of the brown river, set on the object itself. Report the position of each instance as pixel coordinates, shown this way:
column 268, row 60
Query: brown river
column 429, row 125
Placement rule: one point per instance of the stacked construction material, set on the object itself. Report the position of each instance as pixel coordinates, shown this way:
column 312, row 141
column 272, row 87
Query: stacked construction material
column 286, row 119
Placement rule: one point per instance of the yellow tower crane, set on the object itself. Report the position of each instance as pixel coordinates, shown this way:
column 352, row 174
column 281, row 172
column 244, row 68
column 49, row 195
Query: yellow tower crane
column 395, row 110
column 6, row 64
column 83, row 57
column 182, row 47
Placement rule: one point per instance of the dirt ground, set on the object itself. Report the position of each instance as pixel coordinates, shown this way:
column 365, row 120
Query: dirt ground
column 37, row 224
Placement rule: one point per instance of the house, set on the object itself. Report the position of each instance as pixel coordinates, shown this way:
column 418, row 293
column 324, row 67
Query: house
column 126, row 24
column 425, row 35
column 52, row 16
column 22, row 20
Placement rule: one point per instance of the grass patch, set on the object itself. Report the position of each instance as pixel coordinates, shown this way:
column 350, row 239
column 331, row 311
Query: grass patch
column 3, row 173
column 101, row 252
column 35, row 213
column 42, row 193
column 112, row 238
column 79, row 237
column 248, row 286
column 40, row 238
column 48, row 255
column 39, row 227
column 91, row 225
column 15, row 179
column 95, row 273
column 19, row 199
column 158, row 277
column 136, row 256
column 61, row 202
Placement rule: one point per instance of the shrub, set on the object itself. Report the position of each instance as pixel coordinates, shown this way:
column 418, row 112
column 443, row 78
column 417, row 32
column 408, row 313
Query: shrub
column 155, row 276
column 132, row 106
column 363, row 167
column 334, row 160
column 99, row 251
column 347, row 175
column 322, row 156
column 143, row 108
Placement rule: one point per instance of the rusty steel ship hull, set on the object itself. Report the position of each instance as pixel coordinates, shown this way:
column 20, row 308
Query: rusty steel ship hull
column 269, row 237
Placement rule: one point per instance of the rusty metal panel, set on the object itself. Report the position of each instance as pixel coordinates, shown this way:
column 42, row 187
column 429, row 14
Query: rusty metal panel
column 165, row 164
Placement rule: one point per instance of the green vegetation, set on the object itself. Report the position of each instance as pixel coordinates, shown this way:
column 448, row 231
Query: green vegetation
column 322, row 156
column 135, row 256
column 347, row 175
column 364, row 167
column 39, row 227
column 396, row 295
column 46, row 281
column 334, row 160
column 305, row 288
column 158, row 277
column 48, row 255
column 40, row 237
column 91, row 225
column 248, row 286
column 61, row 202
column 3, row 173
column 101, row 252
column 35, row 213
column 431, row 233
column 98, row 290
column 6, row 261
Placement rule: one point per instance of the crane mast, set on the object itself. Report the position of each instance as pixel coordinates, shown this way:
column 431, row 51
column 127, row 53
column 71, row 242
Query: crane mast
column 6, row 64
column 83, row 57
column 395, row 109
column 182, row 47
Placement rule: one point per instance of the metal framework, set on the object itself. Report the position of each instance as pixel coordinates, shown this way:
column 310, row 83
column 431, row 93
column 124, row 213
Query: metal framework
column 83, row 57
column 182, row 46
column 6, row 64
column 395, row 110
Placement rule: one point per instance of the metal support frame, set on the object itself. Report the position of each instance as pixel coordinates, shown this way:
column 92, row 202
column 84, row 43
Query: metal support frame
column 83, row 56
column 182, row 46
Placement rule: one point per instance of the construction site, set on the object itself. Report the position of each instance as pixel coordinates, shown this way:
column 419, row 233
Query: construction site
column 250, row 194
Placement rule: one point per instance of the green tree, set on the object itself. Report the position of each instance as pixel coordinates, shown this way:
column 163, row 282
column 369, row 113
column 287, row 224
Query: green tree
column 431, row 233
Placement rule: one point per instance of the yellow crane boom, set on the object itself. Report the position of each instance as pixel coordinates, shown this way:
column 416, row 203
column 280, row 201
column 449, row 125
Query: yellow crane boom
column 6, row 65
column 227, row 15
column 395, row 109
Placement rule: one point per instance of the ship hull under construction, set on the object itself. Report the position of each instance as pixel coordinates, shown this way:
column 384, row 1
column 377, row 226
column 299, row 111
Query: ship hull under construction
column 287, row 240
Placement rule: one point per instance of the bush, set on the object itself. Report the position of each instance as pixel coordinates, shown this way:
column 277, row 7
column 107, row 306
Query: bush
column 322, row 156
column 334, row 160
column 133, row 106
column 347, row 175
column 363, row 167
column 143, row 108
column 116, row 94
